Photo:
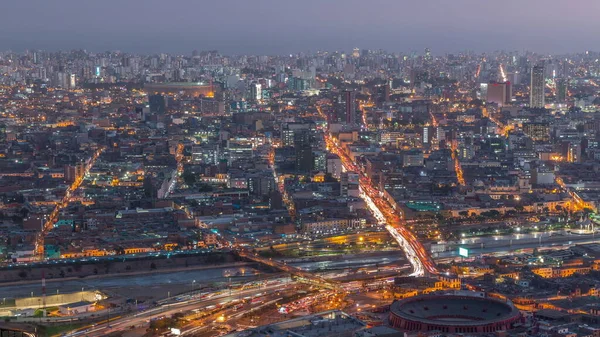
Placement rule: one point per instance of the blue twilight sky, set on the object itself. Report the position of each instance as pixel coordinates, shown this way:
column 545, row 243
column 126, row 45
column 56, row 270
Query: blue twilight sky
column 287, row 26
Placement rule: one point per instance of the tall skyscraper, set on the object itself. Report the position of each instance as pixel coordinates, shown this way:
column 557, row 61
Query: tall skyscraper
column 255, row 92
column 561, row 90
column 536, row 89
column 426, row 134
column 483, row 89
column 349, row 103
column 62, row 80
column 499, row 93
column 304, row 155
column 509, row 90
column 72, row 81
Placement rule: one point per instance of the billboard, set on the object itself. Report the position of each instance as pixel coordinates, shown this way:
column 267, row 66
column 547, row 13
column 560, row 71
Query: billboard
column 464, row 252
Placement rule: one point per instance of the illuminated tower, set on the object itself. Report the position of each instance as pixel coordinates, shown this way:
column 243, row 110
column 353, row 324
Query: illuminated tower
column 255, row 92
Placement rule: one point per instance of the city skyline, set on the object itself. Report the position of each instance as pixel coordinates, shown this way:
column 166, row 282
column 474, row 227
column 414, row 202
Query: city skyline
column 268, row 27
column 310, row 168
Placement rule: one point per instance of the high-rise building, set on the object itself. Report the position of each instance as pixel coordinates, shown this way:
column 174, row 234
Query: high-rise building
column 348, row 103
column 387, row 90
column 304, row 154
column 287, row 137
column 74, row 172
column 418, row 77
column 2, row 133
column 206, row 154
column 523, row 65
column 334, row 165
column 566, row 69
column 561, row 90
column 483, row 89
column 239, row 151
column 466, row 152
column 349, row 184
column 440, row 133
column 573, row 154
column 536, row 89
column 514, row 77
column 296, row 83
column 62, row 80
column 412, row 158
column 499, row 93
column 344, row 108
column 72, row 81
column 255, row 92
column 261, row 184
column 508, row 97
column 157, row 103
column 427, row 134
column 289, row 129
column 320, row 161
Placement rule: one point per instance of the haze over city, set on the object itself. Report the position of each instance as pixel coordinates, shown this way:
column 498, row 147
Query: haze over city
column 283, row 27
column 333, row 168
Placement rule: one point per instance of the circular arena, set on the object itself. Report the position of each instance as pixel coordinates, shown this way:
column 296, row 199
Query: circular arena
column 462, row 312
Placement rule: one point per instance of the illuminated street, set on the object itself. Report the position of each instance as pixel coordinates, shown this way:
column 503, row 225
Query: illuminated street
column 414, row 251
column 299, row 169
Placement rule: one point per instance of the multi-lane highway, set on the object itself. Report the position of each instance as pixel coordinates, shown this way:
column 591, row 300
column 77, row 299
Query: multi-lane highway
column 169, row 308
column 383, row 211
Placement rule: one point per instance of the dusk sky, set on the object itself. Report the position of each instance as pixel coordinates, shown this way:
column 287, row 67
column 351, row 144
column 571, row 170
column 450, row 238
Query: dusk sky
column 287, row 26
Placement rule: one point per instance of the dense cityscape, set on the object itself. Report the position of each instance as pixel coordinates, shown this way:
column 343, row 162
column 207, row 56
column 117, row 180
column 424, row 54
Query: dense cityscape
column 334, row 193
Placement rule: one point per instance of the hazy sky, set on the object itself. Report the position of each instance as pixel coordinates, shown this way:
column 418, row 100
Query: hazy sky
column 286, row 26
